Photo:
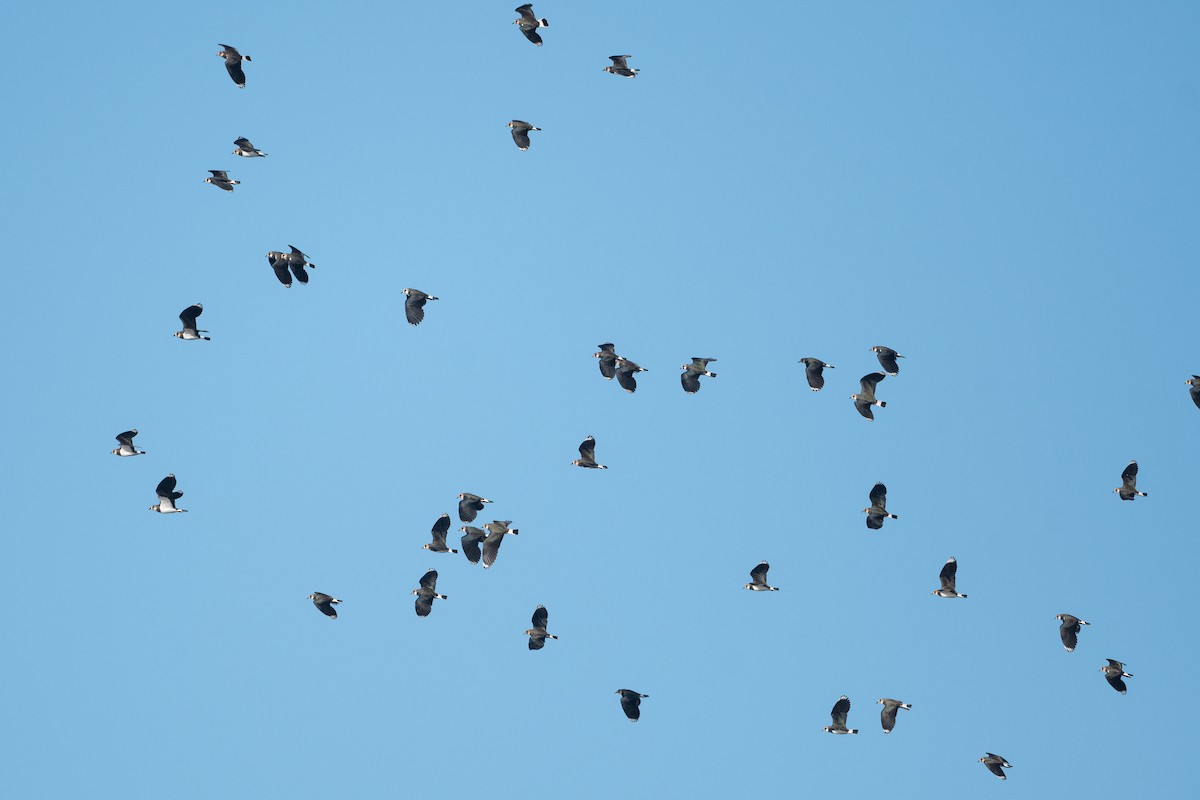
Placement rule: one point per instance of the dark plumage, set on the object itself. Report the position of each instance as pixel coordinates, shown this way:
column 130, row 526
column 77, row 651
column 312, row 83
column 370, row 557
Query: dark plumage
column 529, row 24
column 1128, row 488
column 165, row 491
column 866, row 396
column 125, row 440
column 1194, row 382
column 1113, row 672
column 994, row 762
column 619, row 67
column 587, row 455
column 947, row 576
column 631, row 702
column 608, row 360
column 758, row 579
column 220, row 179
column 233, row 64
column 469, row 506
column 626, row 369
column 324, row 604
column 296, row 261
column 887, row 715
column 427, row 593
column 887, row 359
column 537, row 634
column 188, row 317
column 497, row 530
column 471, row 538
column 245, row 149
column 838, row 715
column 813, row 369
column 1069, row 630
column 440, row 527
column 877, row 512
column 520, row 133
column 692, row 372
column 414, row 305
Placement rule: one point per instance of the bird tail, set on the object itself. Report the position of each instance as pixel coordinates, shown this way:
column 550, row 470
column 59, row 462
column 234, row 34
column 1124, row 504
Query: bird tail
column 711, row 374
column 514, row 531
column 1143, row 494
column 852, row 730
column 442, row 596
column 452, row 550
column 248, row 58
column 543, row 23
column 431, row 297
column 906, row 706
column 881, row 404
column 551, row 635
column 893, row 516
column 1081, row 622
column 334, row 600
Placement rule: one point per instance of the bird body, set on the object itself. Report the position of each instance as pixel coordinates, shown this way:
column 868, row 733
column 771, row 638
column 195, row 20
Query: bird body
column 587, row 455
column 947, row 576
column 866, row 396
column 220, row 179
column 877, row 512
column 324, row 603
column 887, row 715
column 887, row 359
column 414, row 305
column 631, row 702
column 538, row 634
column 440, row 527
column 813, row 371
column 994, row 763
column 126, row 448
column 244, row 149
column 167, row 496
column 529, row 24
column 1068, row 630
column 758, row 579
column 619, row 67
column 690, row 378
column 1128, row 488
column 1194, row 382
column 1114, row 671
column 838, row 715
column 188, row 317
column 520, row 133
column 427, row 593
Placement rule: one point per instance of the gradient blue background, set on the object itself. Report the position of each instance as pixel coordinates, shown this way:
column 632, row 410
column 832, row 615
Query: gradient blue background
column 1004, row 192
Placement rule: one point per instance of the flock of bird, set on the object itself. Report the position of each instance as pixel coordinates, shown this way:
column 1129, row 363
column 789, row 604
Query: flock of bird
column 482, row 544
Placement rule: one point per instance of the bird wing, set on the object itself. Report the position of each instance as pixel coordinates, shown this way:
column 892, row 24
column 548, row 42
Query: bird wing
column 587, row 450
column 690, row 381
column 759, row 573
column 166, row 487
column 840, row 709
column 242, row 143
column 887, row 360
column 441, row 526
column 520, row 135
column 1114, row 680
column 423, row 605
column 414, row 308
column 233, row 65
column 869, row 382
column 813, row 371
column 888, row 716
column 874, row 521
column 879, row 496
column 1069, row 631
column 470, row 545
column 540, row 617
column 324, row 606
column 619, row 61
column 429, row 580
column 993, row 767
column 949, row 569
column 280, row 266
column 220, row 174
column 536, row 642
column 491, row 548
column 126, row 438
column 630, row 703
column 1116, row 664
column 526, row 12
column 1129, row 475
column 608, row 365
column 626, row 379
column 300, row 273
column 468, row 507
column 864, row 408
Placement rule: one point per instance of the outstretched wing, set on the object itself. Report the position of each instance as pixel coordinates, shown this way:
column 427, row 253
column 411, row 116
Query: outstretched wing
column 949, row 570
column 1129, row 475
column 840, row 709
column 690, row 381
column 540, row 617
column 429, row 580
column 587, row 450
column 521, row 137
column 189, row 314
column 869, row 382
column 879, row 496
column 759, row 573
column 414, row 308
column 619, row 61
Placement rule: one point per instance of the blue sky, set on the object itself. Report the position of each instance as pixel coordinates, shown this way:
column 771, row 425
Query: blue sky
column 1005, row 193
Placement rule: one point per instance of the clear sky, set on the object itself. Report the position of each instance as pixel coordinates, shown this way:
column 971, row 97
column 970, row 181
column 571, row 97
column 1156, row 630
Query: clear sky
column 1003, row 192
